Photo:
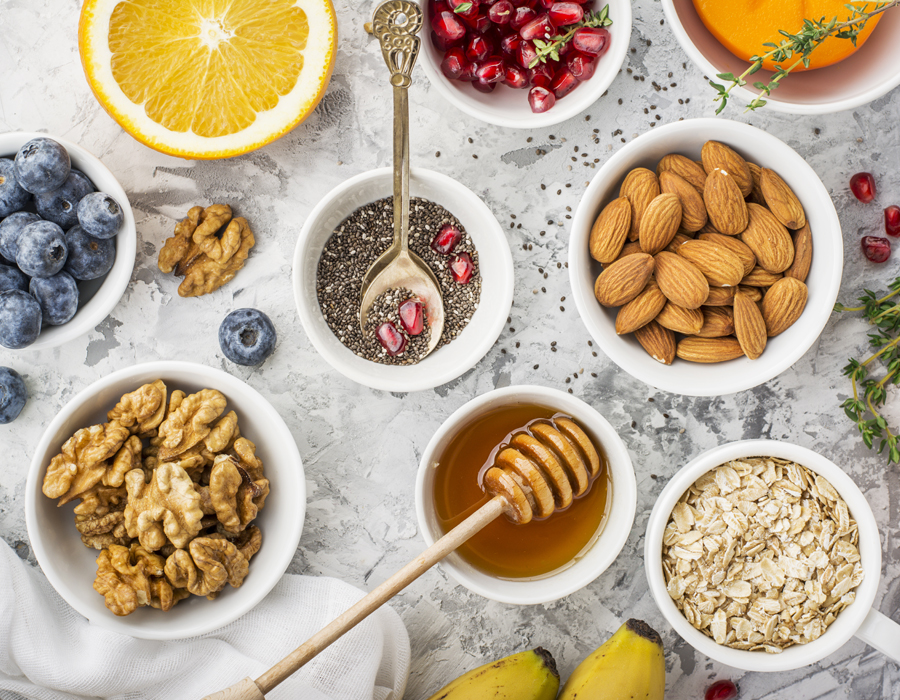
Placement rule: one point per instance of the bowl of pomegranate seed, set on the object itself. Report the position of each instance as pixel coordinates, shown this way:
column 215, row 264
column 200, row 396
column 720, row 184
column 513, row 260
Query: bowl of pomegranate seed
column 524, row 63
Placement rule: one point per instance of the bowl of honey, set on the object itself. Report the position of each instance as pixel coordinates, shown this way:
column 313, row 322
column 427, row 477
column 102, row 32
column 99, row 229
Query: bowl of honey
column 549, row 557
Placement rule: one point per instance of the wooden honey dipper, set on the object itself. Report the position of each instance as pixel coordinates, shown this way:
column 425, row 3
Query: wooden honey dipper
column 542, row 468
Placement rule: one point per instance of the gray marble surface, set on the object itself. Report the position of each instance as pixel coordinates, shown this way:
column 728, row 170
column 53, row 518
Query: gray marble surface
column 361, row 447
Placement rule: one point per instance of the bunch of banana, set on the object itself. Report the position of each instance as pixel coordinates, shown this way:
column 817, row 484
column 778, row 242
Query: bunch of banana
column 529, row 675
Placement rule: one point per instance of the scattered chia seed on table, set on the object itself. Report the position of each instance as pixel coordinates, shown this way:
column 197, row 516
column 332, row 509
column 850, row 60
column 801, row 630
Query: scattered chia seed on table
column 386, row 308
column 356, row 244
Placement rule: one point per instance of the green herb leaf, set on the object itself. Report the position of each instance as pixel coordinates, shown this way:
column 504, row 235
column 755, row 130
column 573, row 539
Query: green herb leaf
column 462, row 7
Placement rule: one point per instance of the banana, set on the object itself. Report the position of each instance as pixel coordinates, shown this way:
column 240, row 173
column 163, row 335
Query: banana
column 528, row 675
column 630, row 665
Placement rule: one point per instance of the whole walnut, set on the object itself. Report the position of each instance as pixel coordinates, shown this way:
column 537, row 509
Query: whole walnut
column 165, row 509
column 124, row 577
column 83, row 461
column 206, row 566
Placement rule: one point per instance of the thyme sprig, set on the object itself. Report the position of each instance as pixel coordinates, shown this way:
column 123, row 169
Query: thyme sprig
column 550, row 48
column 869, row 394
column 799, row 46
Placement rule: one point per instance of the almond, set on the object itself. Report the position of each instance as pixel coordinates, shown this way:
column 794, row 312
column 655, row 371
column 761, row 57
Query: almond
column 610, row 230
column 685, row 168
column 679, row 319
column 799, row 269
column 768, row 239
column 760, row 278
column 659, row 342
column 783, row 304
column 720, row 296
column 709, row 350
column 718, row 155
column 749, row 326
column 641, row 187
column 754, row 294
column 659, row 223
column 623, row 280
column 720, row 266
column 629, row 248
column 709, row 228
column 693, row 210
column 735, row 245
column 756, row 195
column 677, row 241
column 725, row 203
column 781, row 200
column 718, row 321
column 680, row 280
column 641, row 310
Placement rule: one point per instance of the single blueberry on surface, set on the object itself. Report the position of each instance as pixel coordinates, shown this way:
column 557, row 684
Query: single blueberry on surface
column 100, row 215
column 247, row 336
column 42, row 165
column 61, row 206
column 42, row 249
column 12, row 196
column 20, row 319
column 10, row 229
column 12, row 278
column 58, row 297
column 12, row 395
column 89, row 257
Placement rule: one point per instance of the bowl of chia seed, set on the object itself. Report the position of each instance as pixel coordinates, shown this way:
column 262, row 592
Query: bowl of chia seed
column 350, row 228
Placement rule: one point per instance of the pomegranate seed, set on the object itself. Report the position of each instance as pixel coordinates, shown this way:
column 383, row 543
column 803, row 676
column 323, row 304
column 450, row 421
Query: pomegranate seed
column 438, row 7
column 521, row 17
column 527, row 54
column 564, row 13
column 510, row 44
column 539, row 28
column 390, row 338
column 412, row 316
column 892, row 220
column 478, row 48
column 594, row 41
column 479, row 24
column 547, row 4
column 863, row 187
column 468, row 73
column 462, row 268
column 581, row 66
column 514, row 77
column 444, row 45
column 490, row 70
column 721, row 690
column 540, row 99
column 540, row 75
column 482, row 86
column 453, row 63
column 501, row 12
column 563, row 83
column 448, row 27
column 446, row 239
column 876, row 249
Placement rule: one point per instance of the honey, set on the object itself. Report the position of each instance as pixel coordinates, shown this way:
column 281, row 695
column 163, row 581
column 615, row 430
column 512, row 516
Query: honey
column 503, row 548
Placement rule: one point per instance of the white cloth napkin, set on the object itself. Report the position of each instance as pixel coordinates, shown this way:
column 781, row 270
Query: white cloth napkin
column 49, row 652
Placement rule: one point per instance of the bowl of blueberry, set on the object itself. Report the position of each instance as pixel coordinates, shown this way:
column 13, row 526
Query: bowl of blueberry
column 67, row 241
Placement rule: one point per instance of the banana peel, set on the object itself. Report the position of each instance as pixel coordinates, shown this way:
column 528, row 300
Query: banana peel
column 528, row 675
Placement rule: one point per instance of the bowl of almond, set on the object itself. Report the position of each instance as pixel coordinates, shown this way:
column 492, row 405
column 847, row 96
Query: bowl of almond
column 705, row 257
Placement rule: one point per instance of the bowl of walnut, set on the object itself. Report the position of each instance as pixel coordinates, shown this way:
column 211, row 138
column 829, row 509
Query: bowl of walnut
column 165, row 500
column 765, row 556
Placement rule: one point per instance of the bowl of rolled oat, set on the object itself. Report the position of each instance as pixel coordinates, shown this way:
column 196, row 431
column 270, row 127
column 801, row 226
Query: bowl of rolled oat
column 765, row 556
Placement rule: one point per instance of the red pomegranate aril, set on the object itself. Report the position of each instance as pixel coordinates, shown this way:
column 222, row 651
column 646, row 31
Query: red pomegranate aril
column 446, row 239
column 478, row 48
column 482, row 86
column 468, row 73
column 539, row 28
column 448, row 27
column 581, row 66
column 565, row 13
column 540, row 75
column 438, row 7
column 501, row 12
column 721, row 690
column 453, row 64
column 390, row 338
column 462, row 268
column 445, row 45
column 892, row 220
column 540, row 99
column 479, row 24
column 594, row 41
column 546, row 4
column 470, row 11
column 490, row 70
column 863, row 187
column 526, row 54
column 563, row 83
column 514, row 77
column 521, row 17
column 412, row 316
column 876, row 249
column 510, row 44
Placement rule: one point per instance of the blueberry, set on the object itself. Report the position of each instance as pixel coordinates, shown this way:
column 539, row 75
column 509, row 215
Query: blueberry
column 61, row 206
column 20, row 319
column 100, row 215
column 42, row 165
column 247, row 336
column 10, row 229
column 12, row 395
column 12, row 196
column 89, row 257
column 42, row 249
column 58, row 297
column 12, row 278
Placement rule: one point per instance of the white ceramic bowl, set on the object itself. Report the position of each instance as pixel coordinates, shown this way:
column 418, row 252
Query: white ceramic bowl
column 613, row 531
column 71, row 567
column 495, row 263
column 96, row 297
column 508, row 107
column 868, row 74
column 858, row 619
column 824, row 278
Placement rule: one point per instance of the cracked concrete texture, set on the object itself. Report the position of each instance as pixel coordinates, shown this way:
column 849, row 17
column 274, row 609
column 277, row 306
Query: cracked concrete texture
column 361, row 447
